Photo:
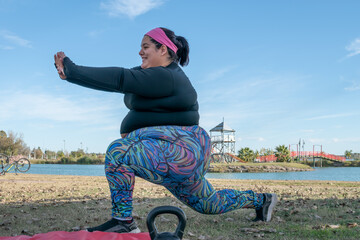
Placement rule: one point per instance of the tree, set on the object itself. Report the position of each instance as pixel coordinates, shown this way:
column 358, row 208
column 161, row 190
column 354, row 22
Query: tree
column 256, row 155
column 282, row 153
column 11, row 144
column 60, row 154
column 266, row 152
column 38, row 153
column 77, row 154
column 348, row 154
column 50, row 154
column 5, row 143
column 246, row 154
column 3, row 134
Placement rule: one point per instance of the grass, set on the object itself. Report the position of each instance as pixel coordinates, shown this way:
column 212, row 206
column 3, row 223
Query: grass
column 281, row 164
column 31, row 204
column 327, row 163
column 258, row 167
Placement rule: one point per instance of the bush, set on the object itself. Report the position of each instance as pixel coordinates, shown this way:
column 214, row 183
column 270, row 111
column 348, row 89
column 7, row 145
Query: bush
column 67, row 160
column 88, row 160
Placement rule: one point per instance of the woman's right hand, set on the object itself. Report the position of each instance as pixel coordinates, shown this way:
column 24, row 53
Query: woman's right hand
column 59, row 64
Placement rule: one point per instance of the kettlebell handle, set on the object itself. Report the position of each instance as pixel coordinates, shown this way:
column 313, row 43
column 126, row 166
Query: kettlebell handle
column 150, row 221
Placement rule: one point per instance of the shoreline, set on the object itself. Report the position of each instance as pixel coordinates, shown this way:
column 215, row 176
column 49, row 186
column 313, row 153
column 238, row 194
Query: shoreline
column 258, row 167
column 237, row 167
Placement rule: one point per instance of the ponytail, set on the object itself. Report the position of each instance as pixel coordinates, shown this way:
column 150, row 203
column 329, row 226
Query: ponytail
column 183, row 51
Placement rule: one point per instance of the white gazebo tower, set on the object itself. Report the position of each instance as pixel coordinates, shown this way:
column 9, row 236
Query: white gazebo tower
column 222, row 143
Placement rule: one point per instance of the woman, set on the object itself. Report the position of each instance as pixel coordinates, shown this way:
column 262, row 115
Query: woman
column 161, row 140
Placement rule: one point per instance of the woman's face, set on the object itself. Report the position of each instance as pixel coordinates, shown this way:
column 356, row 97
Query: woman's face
column 150, row 55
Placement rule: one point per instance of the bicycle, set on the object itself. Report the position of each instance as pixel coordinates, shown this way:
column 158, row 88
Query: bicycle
column 9, row 163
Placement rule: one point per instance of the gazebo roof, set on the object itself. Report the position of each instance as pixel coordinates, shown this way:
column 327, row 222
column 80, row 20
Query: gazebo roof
column 222, row 127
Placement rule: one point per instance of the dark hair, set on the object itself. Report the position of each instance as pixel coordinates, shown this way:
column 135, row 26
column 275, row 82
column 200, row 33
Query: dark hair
column 182, row 55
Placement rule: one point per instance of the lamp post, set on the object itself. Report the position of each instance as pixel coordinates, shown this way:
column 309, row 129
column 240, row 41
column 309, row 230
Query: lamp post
column 314, row 154
column 300, row 149
column 303, row 145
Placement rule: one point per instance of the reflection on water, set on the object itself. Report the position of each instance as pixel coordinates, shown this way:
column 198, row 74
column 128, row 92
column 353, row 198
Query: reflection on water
column 333, row 173
column 336, row 174
column 67, row 169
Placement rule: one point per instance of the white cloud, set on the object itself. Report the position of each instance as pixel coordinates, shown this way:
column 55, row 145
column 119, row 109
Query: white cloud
column 316, row 140
column 354, row 87
column 307, row 130
column 130, row 8
column 346, row 140
column 3, row 47
column 325, row 142
column 217, row 74
column 42, row 106
column 237, row 89
column 353, row 48
column 258, row 139
column 13, row 39
column 95, row 33
column 332, row 116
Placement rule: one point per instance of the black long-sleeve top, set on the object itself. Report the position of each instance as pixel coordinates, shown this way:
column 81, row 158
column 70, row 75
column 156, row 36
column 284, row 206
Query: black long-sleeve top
column 155, row 96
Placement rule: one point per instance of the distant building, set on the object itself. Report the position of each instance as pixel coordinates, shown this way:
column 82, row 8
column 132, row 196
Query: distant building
column 222, row 143
column 355, row 156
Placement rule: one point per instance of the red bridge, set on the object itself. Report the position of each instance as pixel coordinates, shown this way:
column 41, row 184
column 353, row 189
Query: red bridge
column 304, row 154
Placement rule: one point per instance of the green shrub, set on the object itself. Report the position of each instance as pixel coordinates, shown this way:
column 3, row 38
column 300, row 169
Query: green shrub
column 89, row 160
column 67, row 160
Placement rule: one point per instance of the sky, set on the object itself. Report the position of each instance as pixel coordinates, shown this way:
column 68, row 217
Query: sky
column 275, row 71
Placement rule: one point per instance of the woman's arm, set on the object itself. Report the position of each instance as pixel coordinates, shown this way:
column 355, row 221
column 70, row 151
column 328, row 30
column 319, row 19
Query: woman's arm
column 151, row 82
column 99, row 78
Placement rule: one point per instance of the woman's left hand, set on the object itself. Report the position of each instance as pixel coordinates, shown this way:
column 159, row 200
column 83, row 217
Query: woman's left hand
column 59, row 63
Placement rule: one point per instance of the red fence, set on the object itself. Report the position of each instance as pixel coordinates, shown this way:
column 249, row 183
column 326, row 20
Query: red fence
column 268, row 158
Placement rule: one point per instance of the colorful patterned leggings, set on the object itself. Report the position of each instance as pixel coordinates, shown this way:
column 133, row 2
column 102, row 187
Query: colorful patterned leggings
column 175, row 157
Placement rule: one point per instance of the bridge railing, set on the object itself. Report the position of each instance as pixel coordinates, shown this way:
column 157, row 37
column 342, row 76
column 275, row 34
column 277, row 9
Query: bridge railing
column 318, row 154
column 272, row 158
column 235, row 157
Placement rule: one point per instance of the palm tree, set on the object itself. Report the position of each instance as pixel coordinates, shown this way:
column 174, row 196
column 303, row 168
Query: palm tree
column 246, row 154
column 348, row 154
column 269, row 152
column 282, row 153
column 256, row 155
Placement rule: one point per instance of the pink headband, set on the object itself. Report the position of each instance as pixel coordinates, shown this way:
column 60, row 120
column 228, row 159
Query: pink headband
column 159, row 35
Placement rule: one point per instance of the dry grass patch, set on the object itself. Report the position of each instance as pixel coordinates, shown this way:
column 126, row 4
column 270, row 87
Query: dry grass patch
column 31, row 204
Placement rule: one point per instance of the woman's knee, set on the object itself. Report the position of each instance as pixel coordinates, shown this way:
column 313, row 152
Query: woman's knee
column 120, row 146
column 116, row 151
column 117, row 145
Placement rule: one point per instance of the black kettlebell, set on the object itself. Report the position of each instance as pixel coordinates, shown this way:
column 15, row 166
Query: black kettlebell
column 150, row 222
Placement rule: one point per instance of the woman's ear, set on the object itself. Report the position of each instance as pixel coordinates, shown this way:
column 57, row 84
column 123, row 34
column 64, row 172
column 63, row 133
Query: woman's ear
column 163, row 50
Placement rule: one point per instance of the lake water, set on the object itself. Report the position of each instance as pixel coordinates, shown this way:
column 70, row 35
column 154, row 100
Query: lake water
column 332, row 173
